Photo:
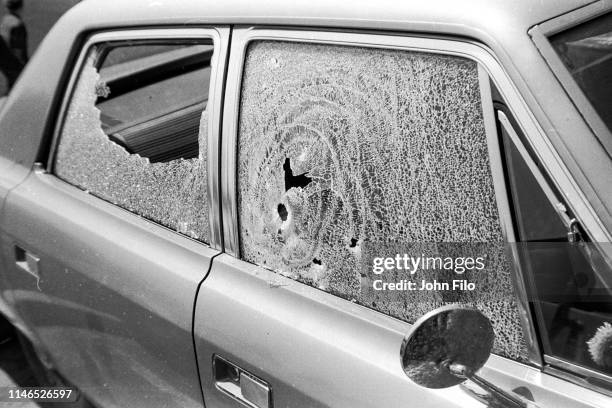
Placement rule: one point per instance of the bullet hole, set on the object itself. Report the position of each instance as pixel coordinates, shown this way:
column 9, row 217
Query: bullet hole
column 353, row 243
column 291, row 181
column 316, row 261
column 282, row 212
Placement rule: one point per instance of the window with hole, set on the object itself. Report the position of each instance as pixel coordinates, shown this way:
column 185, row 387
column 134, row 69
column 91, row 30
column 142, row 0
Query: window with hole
column 345, row 152
column 136, row 128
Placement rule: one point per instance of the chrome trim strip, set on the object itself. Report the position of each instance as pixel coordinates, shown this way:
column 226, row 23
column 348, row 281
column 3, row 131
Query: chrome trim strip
column 547, row 388
column 568, row 371
column 229, row 145
column 546, row 154
column 496, row 164
column 220, row 37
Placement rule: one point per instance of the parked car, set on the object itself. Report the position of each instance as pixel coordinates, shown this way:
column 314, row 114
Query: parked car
column 231, row 204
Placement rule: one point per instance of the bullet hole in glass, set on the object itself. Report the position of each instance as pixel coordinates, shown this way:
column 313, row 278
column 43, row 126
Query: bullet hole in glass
column 282, row 212
column 301, row 180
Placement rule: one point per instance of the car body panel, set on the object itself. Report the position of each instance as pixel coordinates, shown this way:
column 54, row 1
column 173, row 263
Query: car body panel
column 317, row 350
column 109, row 302
column 114, row 300
column 313, row 349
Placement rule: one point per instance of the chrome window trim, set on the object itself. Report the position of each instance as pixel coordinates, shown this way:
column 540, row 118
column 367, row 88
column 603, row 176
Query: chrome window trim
column 567, row 371
column 220, row 37
column 550, row 387
column 541, row 145
column 534, row 355
column 539, row 35
column 495, row 158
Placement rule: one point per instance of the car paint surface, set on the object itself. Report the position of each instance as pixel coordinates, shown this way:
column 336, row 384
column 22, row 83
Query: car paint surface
column 114, row 300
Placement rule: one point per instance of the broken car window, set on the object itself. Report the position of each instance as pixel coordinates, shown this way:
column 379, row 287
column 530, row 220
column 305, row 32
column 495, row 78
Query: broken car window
column 345, row 152
column 136, row 129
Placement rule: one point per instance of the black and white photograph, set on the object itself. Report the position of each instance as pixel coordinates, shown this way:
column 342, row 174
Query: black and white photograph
column 305, row 204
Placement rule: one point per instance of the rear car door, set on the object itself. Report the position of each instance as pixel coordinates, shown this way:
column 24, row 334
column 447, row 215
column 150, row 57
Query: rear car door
column 107, row 243
column 341, row 153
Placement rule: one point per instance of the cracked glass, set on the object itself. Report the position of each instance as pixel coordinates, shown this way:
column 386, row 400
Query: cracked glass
column 136, row 129
column 345, row 153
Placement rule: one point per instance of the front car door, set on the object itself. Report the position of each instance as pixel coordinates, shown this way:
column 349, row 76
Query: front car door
column 107, row 242
column 341, row 152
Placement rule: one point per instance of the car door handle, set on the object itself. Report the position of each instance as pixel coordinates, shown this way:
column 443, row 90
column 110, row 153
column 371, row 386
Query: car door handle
column 27, row 261
column 240, row 384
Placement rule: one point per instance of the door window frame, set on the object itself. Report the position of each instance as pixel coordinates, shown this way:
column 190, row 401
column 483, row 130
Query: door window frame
column 551, row 364
column 489, row 70
column 220, row 37
column 540, row 36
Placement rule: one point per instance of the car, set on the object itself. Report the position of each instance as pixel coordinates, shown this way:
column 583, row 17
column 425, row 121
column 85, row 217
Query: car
column 314, row 204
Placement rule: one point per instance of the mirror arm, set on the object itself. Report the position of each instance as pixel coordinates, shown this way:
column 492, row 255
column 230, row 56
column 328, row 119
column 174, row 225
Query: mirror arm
column 502, row 398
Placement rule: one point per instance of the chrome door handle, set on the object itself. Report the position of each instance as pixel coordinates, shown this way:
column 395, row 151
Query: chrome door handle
column 240, row 384
column 27, row 261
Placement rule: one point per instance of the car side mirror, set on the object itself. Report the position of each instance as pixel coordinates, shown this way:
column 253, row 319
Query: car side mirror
column 448, row 346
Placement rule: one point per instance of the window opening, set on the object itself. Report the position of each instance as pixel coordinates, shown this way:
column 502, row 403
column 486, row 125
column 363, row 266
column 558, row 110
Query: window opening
column 136, row 128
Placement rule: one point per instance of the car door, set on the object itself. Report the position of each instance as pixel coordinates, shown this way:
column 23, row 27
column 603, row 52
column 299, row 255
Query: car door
column 342, row 153
column 11, row 175
column 107, row 243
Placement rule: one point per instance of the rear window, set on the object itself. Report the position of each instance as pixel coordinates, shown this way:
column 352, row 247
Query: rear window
column 586, row 51
column 136, row 128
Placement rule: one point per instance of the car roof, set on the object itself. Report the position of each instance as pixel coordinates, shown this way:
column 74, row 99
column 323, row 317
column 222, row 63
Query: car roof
column 486, row 15
column 500, row 24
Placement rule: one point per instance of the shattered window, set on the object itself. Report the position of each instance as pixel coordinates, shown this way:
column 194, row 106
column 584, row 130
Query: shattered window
column 136, row 129
column 345, row 153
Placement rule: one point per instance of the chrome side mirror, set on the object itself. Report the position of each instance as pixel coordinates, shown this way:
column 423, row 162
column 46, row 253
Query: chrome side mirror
column 447, row 346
